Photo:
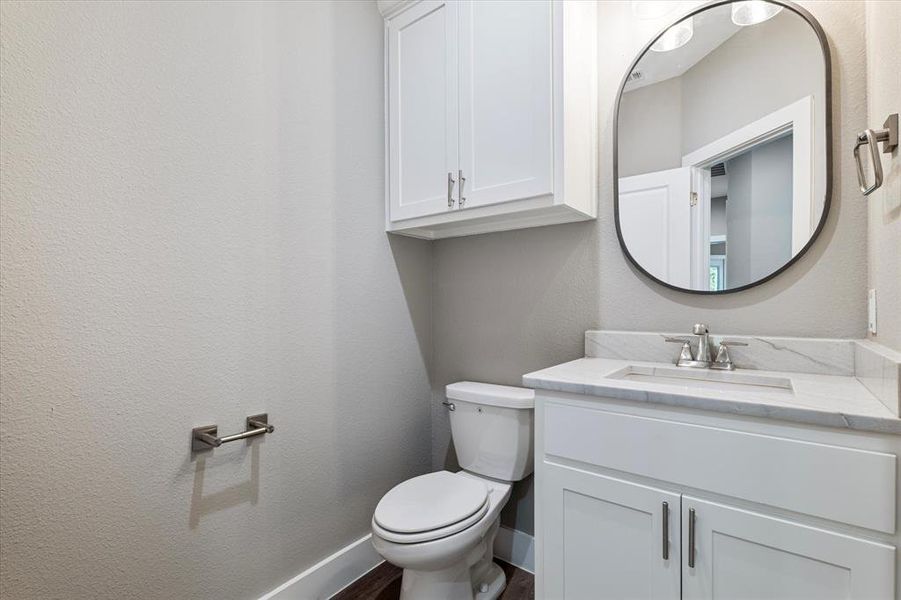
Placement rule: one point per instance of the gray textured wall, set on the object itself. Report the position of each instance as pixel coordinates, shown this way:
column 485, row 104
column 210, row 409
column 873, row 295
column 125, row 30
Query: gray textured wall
column 722, row 92
column 509, row 303
column 193, row 231
column 739, row 220
column 884, row 239
column 759, row 212
column 651, row 128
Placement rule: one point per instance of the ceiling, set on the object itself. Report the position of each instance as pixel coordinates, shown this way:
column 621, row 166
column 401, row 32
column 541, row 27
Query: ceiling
column 711, row 29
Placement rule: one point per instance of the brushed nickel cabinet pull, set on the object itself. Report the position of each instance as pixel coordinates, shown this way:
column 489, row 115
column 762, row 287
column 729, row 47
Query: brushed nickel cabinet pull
column 450, row 189
column 666, row 531
column 691, row 538
column 462, row 182
column 205, row 438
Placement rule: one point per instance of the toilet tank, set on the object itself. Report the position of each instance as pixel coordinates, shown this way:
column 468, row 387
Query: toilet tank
column 493, row 428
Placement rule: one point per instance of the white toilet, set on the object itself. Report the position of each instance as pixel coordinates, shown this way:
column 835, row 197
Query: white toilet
column 440, row 527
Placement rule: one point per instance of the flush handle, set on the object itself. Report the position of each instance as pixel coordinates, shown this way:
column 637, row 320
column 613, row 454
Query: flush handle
column 450, row 405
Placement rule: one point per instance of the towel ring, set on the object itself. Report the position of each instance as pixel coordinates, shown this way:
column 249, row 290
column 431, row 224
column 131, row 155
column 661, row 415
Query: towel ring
column 888, row 135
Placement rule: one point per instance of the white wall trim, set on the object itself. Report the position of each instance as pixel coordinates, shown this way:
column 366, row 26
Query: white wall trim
column 516, row 548
column 334, row 573
column 330, row 575
column 390, row 8
column 796, row 118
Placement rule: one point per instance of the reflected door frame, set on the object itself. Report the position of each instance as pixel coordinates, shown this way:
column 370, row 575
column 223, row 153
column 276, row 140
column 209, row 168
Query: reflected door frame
column 700, row 228
column 795, row 119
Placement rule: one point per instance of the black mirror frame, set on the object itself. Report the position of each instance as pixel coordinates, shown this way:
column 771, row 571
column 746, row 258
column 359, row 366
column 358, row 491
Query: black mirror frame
column 827, row 201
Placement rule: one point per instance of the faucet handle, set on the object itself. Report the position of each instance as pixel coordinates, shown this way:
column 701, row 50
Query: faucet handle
column 723, row 360
column 728, row 343
column 700, row 329
column 685, row 354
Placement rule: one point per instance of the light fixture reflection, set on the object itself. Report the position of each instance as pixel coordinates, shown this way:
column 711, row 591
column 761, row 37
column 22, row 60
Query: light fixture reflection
column 753, row 12
column 675, row 37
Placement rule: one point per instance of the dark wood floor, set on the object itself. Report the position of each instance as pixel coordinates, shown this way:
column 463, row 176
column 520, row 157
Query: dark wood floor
column 383, row 583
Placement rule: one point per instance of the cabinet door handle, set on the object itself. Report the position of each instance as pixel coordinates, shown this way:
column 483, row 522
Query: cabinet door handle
column 691, row 538
column 462, row 183
column 450, row 189
column 666, row 531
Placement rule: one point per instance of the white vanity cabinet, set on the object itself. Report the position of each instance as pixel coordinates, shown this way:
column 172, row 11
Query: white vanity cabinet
column 491, row 115
column 651, row 502
column 744, row 554
column 608, row 538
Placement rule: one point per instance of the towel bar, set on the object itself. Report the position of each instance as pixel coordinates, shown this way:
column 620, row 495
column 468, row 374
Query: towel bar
column 204, row 438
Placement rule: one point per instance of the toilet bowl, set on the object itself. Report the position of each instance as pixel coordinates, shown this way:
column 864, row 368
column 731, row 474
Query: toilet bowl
column 440, row 527
column 451, row 561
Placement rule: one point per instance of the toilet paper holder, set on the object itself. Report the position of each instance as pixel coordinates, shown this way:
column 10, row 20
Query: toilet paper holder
column 888, row 136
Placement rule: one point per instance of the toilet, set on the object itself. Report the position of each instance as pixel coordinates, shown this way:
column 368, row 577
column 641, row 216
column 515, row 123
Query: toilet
column 440, row 527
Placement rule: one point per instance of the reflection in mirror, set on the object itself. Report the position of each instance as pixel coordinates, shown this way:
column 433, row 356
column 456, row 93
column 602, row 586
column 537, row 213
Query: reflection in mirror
column 722, row 147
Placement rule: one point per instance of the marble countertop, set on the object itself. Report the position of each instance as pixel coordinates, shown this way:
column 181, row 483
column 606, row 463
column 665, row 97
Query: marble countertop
column 826, row 400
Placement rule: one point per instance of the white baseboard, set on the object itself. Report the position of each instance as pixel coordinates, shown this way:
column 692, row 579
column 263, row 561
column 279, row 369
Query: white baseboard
column 334, row 573
column 516, row 548
column 330, row 575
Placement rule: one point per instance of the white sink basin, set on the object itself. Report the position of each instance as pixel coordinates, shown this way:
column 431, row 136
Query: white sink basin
column 729, row 381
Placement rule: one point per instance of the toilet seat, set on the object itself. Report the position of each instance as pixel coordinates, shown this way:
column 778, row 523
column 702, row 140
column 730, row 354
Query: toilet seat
column 430, row 507
column 433, row 534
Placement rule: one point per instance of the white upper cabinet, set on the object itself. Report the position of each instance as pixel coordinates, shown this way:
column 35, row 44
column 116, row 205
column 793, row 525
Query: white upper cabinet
column 506, row 101
column 491, row 115
column 422, row 119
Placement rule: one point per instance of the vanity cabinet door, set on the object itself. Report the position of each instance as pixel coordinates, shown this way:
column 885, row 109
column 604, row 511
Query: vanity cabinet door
column 506, row 100
column 740, row 554
column 604, row 538
column 422, row 107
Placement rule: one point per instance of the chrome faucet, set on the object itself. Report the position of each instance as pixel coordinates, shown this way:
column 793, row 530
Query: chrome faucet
column 704, row 358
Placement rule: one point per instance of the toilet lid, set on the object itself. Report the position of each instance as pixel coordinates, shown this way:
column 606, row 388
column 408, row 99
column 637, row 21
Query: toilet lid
column 431, row 501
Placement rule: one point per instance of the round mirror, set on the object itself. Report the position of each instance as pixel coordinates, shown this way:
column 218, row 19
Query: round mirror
column 722, row 140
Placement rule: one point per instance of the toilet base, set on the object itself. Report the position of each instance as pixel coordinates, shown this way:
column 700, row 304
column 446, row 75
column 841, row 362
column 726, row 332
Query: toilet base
column 476, row 577
column 447, row 584
column 456, row 583
column 493, row 585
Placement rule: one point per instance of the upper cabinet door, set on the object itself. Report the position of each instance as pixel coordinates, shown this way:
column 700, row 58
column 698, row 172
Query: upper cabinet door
column 422, row 101
column 740, row 554
column 506, row 100
column 606, row 538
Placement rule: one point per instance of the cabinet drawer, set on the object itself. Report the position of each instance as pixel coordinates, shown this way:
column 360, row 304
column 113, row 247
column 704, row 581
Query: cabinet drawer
column 833, row 482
